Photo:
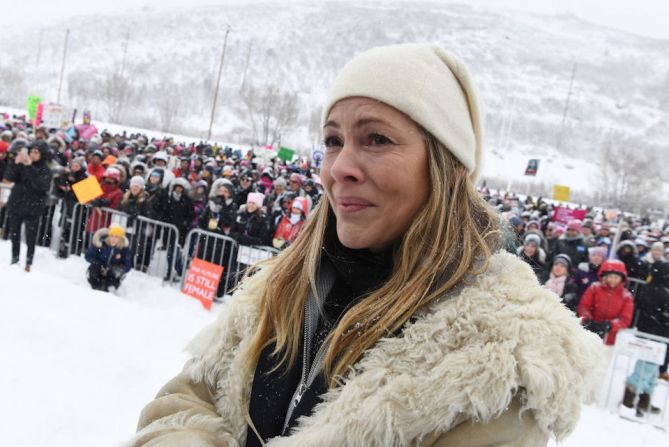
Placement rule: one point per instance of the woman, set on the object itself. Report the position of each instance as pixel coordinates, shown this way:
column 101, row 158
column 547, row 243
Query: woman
column 558, row 279
column 532, row 253
column 251, row 227
column 221, row 209
column 419, row 334
column 587, row 274
column 652, row 303
column 32, row 179
column 70, row 215
column 291, row 225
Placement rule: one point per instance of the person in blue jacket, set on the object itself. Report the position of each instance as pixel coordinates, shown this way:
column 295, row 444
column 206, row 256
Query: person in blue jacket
column 110, row 258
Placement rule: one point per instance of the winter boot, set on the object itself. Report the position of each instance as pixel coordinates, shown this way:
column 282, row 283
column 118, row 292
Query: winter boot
column 14, row 261
column 649, row 408
column 27, row 268
column 643, row 404
column 628, row 399
column 664, row 376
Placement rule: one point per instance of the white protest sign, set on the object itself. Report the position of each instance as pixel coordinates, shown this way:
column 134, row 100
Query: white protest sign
column 640, row 348
column 249, row 255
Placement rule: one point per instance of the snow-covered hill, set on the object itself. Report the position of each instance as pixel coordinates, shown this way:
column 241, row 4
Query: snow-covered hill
column 523, row 63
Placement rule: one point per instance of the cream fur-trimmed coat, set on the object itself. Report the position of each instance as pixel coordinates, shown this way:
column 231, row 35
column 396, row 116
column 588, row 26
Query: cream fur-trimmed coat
column 500, row 362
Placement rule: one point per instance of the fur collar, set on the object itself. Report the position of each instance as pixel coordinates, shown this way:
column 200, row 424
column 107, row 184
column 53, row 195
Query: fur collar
column 464, row 358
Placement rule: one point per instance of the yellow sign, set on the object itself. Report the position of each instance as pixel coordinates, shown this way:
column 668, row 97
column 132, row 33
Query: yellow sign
column 561, row 193
column 87, row 189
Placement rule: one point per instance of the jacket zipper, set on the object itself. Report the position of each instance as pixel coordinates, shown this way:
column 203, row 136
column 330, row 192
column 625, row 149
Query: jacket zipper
column 309, row 370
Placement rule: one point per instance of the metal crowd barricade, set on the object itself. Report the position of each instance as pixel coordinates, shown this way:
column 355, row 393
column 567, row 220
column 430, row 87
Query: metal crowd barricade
column 156, row 248
column 632, row 347
column 217, row 249
column 249, row 255
column 44, row 224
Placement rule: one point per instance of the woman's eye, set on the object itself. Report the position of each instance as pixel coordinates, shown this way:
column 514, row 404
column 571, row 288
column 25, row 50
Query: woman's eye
column 378, row 139
column 332, row 142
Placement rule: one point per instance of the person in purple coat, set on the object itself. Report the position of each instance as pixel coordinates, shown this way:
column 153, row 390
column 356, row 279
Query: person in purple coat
column 586, row 273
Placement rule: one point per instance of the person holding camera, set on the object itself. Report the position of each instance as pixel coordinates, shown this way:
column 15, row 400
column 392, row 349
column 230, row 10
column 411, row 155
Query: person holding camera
column 32, row 179
column 110, row 258
column 607, row 306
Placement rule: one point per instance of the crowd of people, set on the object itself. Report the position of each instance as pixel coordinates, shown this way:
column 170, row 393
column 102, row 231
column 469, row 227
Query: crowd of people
column 254, row 201
column 613, row 275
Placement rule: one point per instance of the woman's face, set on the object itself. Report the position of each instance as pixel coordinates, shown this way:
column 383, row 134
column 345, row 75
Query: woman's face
column 374, row 172
column 657, row 253
column 559, row 269
column 251, row 207
column 596, row 259
column 530, row 250
column 135, row 190
column 35, row 155
column 113, row 241
column 223, row 192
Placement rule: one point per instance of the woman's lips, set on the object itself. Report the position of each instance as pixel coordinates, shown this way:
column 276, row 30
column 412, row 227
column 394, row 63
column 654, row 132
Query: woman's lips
column 350, row 205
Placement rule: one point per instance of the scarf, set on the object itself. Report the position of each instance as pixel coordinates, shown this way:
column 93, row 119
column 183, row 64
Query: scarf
column 556, row 283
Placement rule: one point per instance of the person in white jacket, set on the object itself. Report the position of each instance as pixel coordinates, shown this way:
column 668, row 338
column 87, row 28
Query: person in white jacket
column 393, row 319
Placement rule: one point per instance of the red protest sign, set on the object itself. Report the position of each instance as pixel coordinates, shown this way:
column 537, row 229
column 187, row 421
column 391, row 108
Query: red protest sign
column 564, row 215
column 202, row 281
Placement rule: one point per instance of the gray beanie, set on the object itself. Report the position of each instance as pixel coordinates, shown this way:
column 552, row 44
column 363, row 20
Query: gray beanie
column 81, row 161
column 430, row 85
column 138, row 181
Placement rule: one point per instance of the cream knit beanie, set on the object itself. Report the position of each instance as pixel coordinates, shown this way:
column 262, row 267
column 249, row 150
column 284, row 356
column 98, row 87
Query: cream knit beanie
column 427, row 83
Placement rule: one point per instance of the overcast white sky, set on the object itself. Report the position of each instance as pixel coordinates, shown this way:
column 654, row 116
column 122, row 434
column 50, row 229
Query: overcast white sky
column 644, row 17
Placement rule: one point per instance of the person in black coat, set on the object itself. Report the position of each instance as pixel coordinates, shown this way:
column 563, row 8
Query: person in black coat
column 221, row 209
column 652, row 304
column 251, row 226
column 156, row 201
column 4, row 149
column 246, row 186
column 218, row 217
column 573, row 245
column 636, row 269
column 109, row 257
column 32, row 180
column 180, row 213
column 532, row 253
column 63, row 190
column 134, row 203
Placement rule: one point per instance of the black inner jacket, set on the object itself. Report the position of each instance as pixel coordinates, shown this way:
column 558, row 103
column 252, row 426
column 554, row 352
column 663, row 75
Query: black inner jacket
column 358, row 272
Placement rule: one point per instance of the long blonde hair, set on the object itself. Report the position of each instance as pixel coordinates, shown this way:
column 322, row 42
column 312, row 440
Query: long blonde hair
column 453, row 236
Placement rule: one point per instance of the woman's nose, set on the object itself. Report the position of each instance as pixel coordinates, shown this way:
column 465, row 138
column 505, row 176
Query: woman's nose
column 348, row 166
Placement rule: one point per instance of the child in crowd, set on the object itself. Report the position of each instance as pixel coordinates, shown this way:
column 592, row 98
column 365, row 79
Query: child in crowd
column 109, row 258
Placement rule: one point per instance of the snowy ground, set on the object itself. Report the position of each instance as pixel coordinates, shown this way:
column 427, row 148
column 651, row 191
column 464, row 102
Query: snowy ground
column 78, row 365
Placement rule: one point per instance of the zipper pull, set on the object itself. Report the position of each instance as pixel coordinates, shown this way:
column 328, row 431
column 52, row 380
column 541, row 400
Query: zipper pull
column 300, row 392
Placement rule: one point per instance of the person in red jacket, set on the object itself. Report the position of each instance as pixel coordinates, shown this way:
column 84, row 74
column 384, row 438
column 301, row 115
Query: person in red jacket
column 607, row 306
column 111, row 198
column 95, row 165
column 291, row 224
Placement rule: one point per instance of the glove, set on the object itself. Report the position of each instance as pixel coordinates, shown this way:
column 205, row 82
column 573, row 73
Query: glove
column 598, row 328
column 100, row 203
column 606, row 325
column 117, row 272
